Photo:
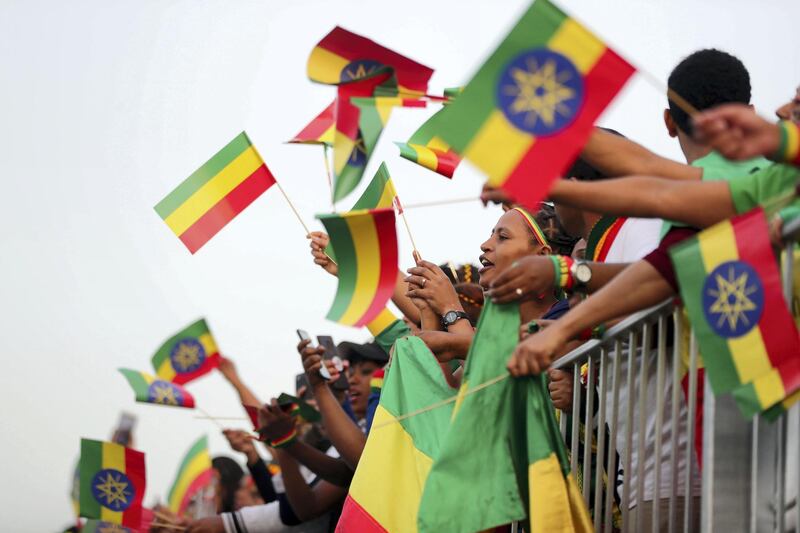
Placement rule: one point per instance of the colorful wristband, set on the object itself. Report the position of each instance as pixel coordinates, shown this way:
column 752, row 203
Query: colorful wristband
column 556, row 271
column 285, row 441
column 565, row 279
column 789, row 149
column 596, row 332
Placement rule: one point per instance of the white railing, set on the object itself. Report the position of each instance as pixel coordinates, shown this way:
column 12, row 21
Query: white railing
column 656, row 483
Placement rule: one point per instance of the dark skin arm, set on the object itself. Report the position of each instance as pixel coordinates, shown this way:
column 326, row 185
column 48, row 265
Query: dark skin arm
column 345, row 435
column 698, row 204
column 307, row 502
column 428, row 282
column 534, row 275
column 447, row 346
column 228, row 370
column 638, row 287
column 617, row 156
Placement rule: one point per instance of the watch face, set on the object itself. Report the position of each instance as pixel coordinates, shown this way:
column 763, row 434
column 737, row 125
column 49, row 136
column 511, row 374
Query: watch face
column 450, row 317
column 583, row 273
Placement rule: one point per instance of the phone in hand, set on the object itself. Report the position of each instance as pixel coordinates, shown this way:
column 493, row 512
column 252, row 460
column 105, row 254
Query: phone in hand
column 323, row 371
column 123, row 434
column 331, row 353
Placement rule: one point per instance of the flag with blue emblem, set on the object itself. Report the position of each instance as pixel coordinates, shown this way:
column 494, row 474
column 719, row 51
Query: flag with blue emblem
column 526, row 114
column 149, row 389
column 731, row 287
column 187, row 355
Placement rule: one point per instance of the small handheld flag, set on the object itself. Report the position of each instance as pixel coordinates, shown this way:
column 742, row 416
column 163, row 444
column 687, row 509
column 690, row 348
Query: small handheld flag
column 427, row 149
column 112, row 483
column 149, row 389
column 187, row 355
column 194, row 475
column 99, row 526
column 731, row 288
column 526, row 114
column 320, row 130
column 366, row 252
column 215, row 193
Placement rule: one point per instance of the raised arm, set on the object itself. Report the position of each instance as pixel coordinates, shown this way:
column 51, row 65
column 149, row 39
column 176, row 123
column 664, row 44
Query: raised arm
column 228, row 370
column 615, row 156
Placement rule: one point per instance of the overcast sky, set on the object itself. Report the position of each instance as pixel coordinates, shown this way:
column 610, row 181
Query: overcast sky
column 107, row 106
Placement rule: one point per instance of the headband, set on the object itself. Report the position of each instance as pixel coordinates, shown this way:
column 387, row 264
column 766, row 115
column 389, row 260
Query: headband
column 534, row 227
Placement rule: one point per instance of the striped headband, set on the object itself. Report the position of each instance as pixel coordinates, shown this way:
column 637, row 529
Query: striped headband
column 534, row 227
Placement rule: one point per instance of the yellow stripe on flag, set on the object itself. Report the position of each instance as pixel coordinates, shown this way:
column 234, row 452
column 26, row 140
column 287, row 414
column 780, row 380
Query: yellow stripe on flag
column 498, row 147
column 717, row 246
column 384, row 107
column 580, row 46
column 384, row 488
column 438, row 144
column 213, row 191
column 147, row 378
column 166, row 371
column 792, row 143
column 328, row 135
column 425, row 156
column 208, row 343
column 114, row 458
column 368, row 258
column 379, row 324
column 769, row 389
column 387, row 196
column 342, row 149
column 197, row 466
column 550, row 509
column 325, row 66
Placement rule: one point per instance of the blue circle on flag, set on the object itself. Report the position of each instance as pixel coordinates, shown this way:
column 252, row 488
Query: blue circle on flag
column 187, row 355
column 359, row 69
column 113, row 490
column 164, row 392
column 358, row 157
column 540, row 92
column 733, row 299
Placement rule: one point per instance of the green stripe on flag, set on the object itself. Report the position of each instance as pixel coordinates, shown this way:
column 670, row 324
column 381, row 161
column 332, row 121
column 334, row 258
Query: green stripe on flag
column 194, row 330
column 196, row 449
column 138, row 384
column 342, row 242
column 468, row 113
column 691, row 273
column 91, row 463
column 202, row 175
column 372, row 194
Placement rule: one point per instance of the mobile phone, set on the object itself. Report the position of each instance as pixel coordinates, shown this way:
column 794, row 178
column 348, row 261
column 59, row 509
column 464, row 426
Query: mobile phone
column 300, row 381
column 326, row 341
column 303, row 334
column 123, row 434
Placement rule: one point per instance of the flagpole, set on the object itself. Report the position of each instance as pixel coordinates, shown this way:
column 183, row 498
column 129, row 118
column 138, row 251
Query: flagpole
column 442, row 202
column 209, row 417
column 297, row 214
column 330, row 177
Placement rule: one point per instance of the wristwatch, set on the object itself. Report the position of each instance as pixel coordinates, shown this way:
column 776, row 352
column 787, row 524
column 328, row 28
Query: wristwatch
column 451, row 317
column 581, row 272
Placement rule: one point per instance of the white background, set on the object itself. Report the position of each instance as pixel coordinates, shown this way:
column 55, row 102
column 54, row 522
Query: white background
column 106, row 106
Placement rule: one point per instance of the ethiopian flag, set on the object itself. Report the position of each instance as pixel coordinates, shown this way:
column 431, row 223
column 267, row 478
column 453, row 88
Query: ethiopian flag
column 149, row 389
column 426, row 148
column 343, row 57
column 380, row 193
column 365, row 242
column 320, row 130
column 187, row 355
column 504, row 437
column 526, row 114
column 731, row 288
column 112, row 483
column 99, row 526
column 194, row 475
column 387, row 485
column 215, row 193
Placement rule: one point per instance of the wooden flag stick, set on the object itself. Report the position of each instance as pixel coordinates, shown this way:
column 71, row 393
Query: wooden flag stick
column 294, row 209
column 408, row 229
column 209, row 417
column 168, row 525
column 203, row 417
column 442, row 202
column 330, row 176
column 679, row 100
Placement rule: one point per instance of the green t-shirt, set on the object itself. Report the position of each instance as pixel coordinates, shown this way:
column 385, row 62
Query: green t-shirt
column 717, row 168
column 755, row 189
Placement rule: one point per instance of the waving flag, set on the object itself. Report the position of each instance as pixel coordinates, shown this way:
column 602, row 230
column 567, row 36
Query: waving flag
column 149, row 389
column 187, row 355
column 380, row 193
column 731, row 288
column 98, row 526
column 215, row 193
column 427, row 149
column 194, row 476
column 112, row 483
column 343, row 57
column 526, row 114
column 320, row 130
column 366, row 251
column 386, row 488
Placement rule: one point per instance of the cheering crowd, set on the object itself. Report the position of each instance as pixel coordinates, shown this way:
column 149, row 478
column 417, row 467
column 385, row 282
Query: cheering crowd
column 594, row 253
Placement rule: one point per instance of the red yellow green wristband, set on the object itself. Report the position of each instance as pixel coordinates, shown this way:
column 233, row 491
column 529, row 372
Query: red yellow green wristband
column 596, row 332
column 789, row 149
column 565, row 279
column 285, row 441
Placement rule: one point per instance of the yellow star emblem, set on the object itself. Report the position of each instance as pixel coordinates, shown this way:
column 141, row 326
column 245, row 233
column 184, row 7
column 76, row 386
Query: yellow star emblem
column 112, row 528
column 732, row 299
column 357, row 72
column 187, row 355
column 114, row 490
column 164, row 393
column 539, row 91
column 359, row 151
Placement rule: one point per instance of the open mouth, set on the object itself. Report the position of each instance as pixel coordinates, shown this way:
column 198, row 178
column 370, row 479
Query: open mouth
column 486, row 264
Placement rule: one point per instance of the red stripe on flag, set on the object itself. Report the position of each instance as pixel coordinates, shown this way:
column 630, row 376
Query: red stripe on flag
column 610, row 236
column 188, row 399
column 347, row 114
column 198, row 483
column 135, row 471
column 550, row 156
column 211, row 362
column 319, row 125
column 355, row 519
column 778, row 330
column 226, row 209
column 384, row 226
column 446, row 162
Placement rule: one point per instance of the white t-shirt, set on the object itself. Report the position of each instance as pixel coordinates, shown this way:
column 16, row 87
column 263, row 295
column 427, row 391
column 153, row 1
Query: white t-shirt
column 636, row 238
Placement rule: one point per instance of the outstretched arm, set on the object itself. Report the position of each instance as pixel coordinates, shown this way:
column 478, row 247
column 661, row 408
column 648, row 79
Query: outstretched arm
column 228, row 370
column 699, row 204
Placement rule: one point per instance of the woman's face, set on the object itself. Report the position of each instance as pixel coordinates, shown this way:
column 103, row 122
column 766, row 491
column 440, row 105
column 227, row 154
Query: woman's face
column 511, row 239
column 359, row 376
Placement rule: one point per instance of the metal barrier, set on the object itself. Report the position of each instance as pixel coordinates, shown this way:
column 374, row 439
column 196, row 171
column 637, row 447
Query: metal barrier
column 634, row 436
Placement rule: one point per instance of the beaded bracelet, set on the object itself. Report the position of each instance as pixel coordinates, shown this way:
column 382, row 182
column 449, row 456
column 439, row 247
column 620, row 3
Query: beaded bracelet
column 596, row 332
column 566, row 281
column 285, row 441
column 789, row 149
